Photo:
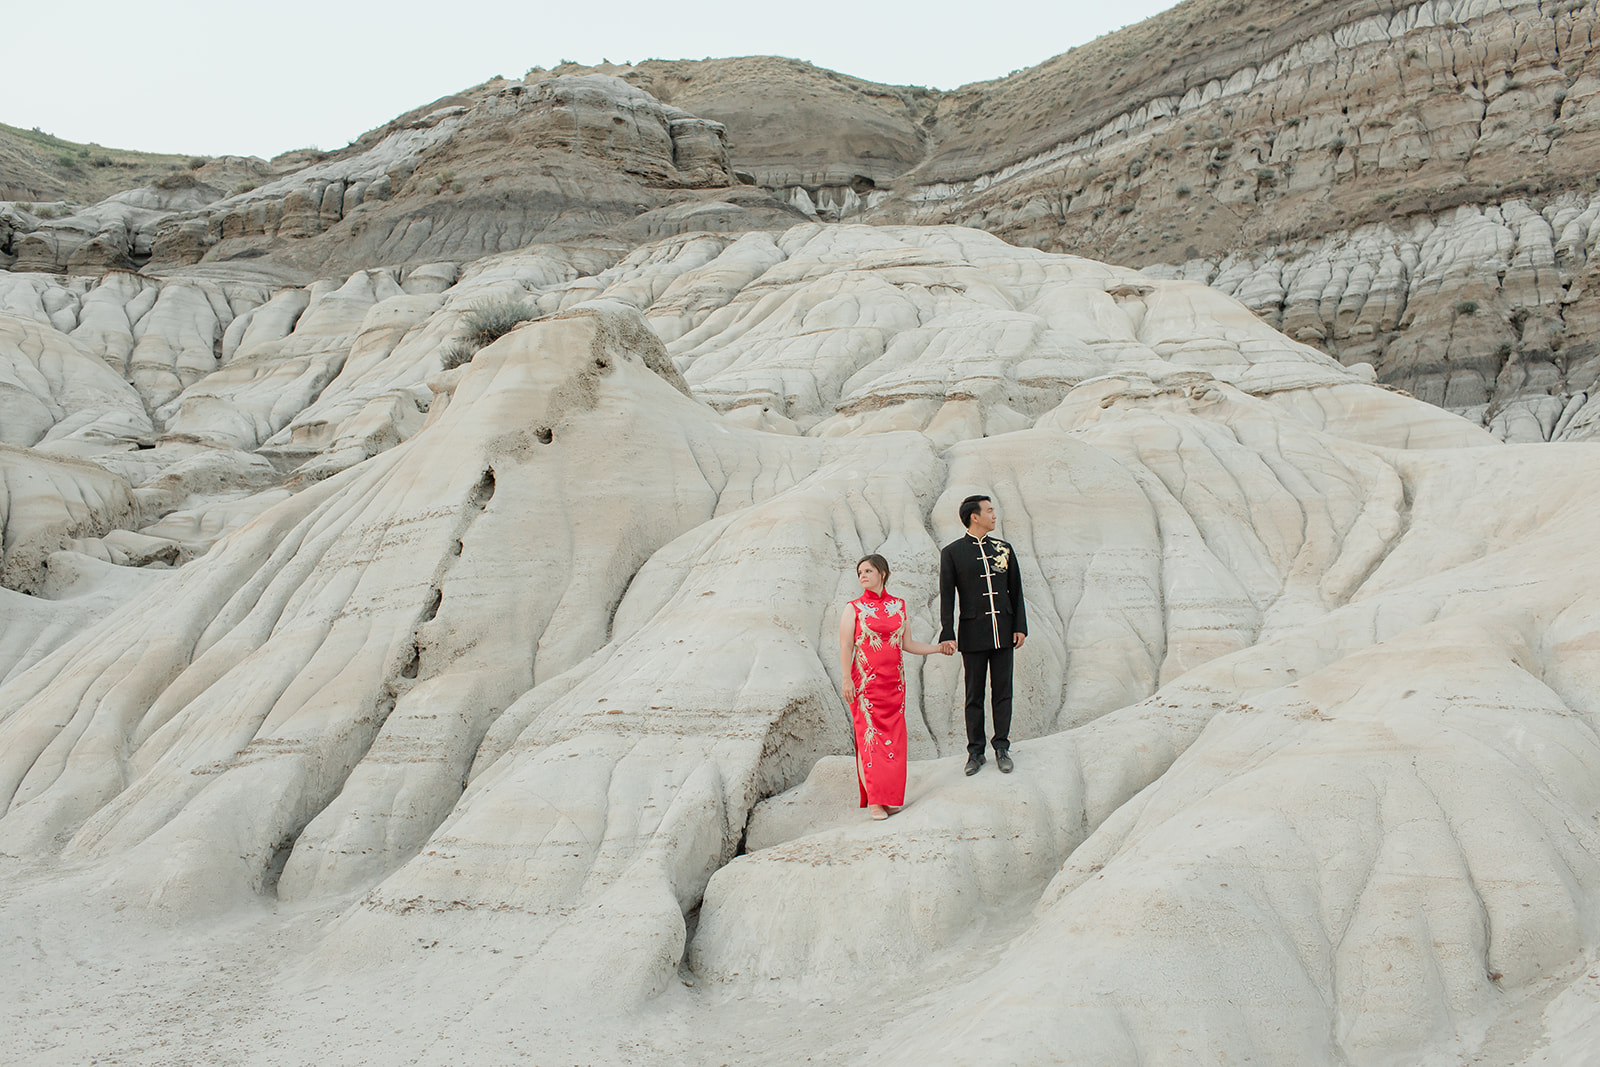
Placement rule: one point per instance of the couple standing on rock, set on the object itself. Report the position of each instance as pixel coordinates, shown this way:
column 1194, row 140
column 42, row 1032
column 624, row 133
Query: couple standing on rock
column 982, row 572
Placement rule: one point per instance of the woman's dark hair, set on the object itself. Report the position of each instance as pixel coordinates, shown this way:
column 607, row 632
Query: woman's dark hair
column 969, row 508
column 879, row 564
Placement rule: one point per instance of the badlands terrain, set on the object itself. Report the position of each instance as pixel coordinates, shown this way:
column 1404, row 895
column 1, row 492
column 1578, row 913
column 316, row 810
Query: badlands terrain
column 357, row 706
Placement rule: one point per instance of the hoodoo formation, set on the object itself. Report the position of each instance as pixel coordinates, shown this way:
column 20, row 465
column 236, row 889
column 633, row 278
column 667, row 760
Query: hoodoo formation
column 420, row 564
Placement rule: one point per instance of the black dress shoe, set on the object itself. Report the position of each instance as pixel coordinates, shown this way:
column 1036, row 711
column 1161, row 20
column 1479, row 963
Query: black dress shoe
column 973, row 763
column 1003, row 761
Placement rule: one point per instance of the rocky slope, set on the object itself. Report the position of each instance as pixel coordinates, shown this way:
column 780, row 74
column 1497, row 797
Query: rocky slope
column 535, row 653
column 578, row 160
column 1359, row 174
column 1407, row 185
column 37, row 167
column 354, row 700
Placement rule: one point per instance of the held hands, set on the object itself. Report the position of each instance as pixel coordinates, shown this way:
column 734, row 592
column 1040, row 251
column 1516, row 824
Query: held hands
column 947, row 648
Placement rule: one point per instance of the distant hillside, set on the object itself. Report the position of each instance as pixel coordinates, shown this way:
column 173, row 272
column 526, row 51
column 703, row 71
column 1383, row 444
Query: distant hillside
column 37, row 166
column 1407, row 185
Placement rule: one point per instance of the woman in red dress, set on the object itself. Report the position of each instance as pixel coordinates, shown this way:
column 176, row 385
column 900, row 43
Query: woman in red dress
column 872, row 635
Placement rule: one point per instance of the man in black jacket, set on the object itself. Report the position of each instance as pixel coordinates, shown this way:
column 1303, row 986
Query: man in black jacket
column 983, row 571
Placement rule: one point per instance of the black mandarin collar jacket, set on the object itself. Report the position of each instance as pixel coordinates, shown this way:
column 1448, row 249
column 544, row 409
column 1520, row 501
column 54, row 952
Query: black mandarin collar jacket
column 986, row 622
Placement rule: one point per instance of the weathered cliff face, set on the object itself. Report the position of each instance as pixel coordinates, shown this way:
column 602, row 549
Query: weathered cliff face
column 1490, row 311
column 1407, row 185
column 1373, row 170
column 581, row 159
column 825, row 142
column 331, row 655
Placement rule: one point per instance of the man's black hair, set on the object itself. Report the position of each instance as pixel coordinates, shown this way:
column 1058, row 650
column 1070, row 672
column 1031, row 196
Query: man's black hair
column 969, row 508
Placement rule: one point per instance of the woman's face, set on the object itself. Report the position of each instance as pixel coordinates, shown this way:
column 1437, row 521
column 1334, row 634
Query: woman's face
column 871, row 578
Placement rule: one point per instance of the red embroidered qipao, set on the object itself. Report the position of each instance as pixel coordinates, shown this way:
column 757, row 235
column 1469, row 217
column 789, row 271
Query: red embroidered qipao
column 879, row 709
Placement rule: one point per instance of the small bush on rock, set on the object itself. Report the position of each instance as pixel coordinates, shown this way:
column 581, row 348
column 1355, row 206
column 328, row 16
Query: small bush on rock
column 456, row 353
column 484, row 324
column 491, row 320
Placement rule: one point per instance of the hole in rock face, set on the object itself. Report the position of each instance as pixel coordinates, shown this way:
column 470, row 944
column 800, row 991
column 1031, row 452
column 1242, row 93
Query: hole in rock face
column 435, row 598
column 484, row 490
column 413, row 662
column 276, row 863
column 545, row 435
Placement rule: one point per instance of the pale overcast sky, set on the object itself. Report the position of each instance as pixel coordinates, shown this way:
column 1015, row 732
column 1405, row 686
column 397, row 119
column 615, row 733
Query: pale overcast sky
column 222, row 77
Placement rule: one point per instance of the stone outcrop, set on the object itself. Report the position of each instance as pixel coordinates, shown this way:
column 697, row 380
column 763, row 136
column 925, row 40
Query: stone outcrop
column 1491, row 312
column 827, row 143
column 1222, row 136
column 569, row 159
column 1439, row 152
column 421, row 685
column 119, row 232
column 548, row 664
column 1295, row 140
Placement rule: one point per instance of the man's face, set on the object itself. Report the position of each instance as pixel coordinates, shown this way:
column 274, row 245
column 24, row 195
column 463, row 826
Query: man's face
column 983, row 521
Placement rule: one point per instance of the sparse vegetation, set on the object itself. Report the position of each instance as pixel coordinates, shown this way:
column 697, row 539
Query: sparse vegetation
column 484, row 324
column 455, row 354
column 1184, row 190
column 1466, row 307
column 493, row 319
column 80, row 173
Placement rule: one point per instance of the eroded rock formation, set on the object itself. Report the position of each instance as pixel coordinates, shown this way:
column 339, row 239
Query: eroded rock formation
column 536, row 652
column 504, row 691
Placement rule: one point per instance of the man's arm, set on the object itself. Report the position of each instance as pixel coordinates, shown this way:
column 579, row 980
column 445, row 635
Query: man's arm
column 947, row 596
column 1019, row 614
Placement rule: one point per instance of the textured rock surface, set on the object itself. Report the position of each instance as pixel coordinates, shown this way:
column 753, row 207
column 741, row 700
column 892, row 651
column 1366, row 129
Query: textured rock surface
column 1312, row 156
column 513, row 682
column 1301, row 156
column 1489, row 312
column 579, row 160
column 1432, row 156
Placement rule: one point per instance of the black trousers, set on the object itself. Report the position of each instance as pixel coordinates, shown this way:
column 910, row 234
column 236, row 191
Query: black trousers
column 996, row 664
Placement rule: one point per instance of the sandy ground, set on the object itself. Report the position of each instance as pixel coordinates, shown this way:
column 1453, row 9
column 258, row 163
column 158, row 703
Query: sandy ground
column 83, row 982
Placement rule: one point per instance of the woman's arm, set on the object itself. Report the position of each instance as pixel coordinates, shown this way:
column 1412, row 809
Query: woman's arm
column 917, row 648
column 847, row 642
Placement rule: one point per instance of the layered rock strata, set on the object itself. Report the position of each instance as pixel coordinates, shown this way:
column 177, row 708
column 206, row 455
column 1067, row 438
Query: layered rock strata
column 550, row 664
